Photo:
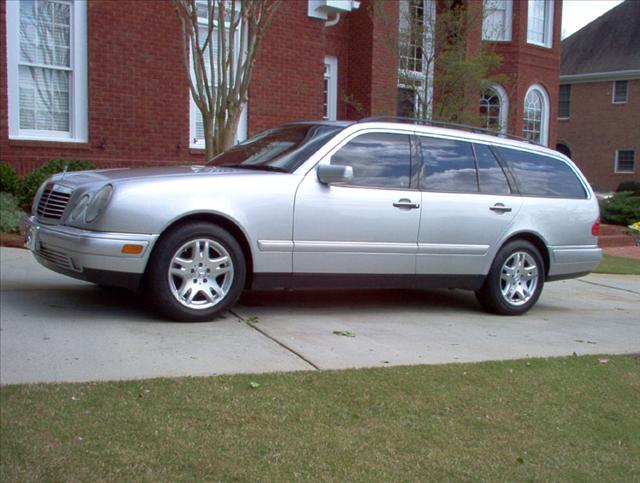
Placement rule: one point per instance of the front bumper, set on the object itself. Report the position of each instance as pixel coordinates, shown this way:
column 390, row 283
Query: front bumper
column 88, row 255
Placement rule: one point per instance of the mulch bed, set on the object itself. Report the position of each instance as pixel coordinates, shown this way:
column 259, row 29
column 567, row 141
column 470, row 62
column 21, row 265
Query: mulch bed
column 14, row 240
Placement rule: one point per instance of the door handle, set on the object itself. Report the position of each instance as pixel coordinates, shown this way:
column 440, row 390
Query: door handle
column 406, row 203
column 500, row 208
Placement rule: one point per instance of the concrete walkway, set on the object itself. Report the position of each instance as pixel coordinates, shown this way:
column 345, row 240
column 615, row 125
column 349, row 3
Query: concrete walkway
column 54, row 328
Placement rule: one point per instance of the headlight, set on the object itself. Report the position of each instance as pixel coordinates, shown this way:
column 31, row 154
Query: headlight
column 97, row 204
column 80, row 207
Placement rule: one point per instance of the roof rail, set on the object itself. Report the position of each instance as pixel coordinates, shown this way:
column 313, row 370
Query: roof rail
column 451, row 125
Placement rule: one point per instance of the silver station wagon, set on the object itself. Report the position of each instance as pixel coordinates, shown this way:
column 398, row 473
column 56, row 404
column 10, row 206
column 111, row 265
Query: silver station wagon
column 369, row 204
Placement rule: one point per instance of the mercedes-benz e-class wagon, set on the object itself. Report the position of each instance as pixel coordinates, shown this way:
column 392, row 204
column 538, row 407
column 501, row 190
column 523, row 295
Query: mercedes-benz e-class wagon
column 371, row 204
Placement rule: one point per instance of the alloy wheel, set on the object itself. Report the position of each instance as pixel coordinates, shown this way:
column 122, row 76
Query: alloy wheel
column 200, row 273
column 518, row 278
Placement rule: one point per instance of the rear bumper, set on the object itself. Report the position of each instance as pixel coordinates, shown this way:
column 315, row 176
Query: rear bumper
column 573, row 261
column 88, row 255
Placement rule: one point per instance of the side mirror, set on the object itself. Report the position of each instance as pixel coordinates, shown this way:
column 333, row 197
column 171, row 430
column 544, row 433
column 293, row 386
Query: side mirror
column 332, row 174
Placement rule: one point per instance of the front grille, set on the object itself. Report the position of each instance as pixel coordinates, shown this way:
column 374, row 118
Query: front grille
column 56, row 257
column 53, row 202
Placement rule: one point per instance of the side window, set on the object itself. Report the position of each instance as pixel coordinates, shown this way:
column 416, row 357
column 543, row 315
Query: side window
column 539, row 175
column 448, row 166
column 490, row 175
column 379, row 160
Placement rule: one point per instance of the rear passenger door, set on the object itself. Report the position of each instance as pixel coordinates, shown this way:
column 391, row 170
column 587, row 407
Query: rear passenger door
column 467, row 205
column 555, row 201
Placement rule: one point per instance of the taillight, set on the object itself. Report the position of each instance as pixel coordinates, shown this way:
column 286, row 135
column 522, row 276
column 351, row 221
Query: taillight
column 595, row 228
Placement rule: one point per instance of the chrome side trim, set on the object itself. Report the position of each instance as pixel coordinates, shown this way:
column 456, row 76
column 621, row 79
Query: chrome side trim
column 451, row 249
column 353, row 247
column 275, row 245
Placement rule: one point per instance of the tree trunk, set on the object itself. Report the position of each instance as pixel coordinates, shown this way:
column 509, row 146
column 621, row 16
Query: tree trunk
column 230, row 129
column 209, row 144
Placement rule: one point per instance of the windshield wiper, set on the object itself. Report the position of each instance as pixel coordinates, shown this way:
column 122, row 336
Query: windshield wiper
column 255, row 167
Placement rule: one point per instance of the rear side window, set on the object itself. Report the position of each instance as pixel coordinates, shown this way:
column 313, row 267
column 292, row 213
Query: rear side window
column 490, row 175
column 539, row 175
column 448, row 166
column 379, row 160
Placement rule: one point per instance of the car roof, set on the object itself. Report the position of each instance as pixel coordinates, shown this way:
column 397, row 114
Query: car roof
column 469, row 133
column 323, row 122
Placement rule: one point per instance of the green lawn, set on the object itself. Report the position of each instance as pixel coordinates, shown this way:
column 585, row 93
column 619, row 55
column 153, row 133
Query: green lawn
column 619, row 265
column 539, row 419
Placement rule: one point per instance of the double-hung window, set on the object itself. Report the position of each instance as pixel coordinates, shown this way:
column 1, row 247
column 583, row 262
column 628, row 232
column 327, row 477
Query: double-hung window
column 47, row 70
column 540, row 22
column 416, row 59
column 564, row 101
column 496, row 20
column 625, row 161
column 196, row 125
column 620, row 91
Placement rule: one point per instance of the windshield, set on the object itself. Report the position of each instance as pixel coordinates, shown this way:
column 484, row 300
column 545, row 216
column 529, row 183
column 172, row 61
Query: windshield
column 281, row 149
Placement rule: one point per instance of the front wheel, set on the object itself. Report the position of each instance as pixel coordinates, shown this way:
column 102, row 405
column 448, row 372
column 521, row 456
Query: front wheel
column 196, row 272
column 515, row 280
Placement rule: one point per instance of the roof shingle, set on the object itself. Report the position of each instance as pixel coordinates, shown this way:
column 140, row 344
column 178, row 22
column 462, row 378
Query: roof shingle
column 608, row 44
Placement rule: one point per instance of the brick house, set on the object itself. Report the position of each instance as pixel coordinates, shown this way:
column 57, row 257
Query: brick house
column 109, row 86
column 599, row 112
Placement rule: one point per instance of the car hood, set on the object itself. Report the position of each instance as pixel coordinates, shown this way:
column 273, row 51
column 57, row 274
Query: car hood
column 101, row 176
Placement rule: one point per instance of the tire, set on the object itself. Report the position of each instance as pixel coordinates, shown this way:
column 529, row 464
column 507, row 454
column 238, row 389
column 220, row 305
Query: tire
column 515, row 280
column 188, row 285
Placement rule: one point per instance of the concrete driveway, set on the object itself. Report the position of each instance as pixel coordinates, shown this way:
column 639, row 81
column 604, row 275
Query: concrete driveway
column 54, row 328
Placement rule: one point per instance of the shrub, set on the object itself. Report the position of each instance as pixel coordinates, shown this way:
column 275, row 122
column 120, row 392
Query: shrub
column 622, row 208
column 8, row 178
column 629, row 186
column 28, row 186
column 10, row 213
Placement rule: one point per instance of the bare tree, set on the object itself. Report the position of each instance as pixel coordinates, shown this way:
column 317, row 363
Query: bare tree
column 220, row 40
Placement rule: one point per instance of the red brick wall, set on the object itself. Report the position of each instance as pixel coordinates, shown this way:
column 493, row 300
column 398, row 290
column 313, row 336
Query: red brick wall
column 138, row 94
column 373, row 71
column 596, row 128
column 138, row 97
column 287, row 83
column 527, row 64
column 287, row 80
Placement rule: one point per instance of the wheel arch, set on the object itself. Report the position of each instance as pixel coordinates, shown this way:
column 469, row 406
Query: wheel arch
column 231, row 226
column 538, row 242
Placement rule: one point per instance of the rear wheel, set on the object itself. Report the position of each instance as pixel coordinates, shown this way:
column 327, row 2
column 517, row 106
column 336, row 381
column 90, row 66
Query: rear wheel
column 196, row 273
column 515, row 280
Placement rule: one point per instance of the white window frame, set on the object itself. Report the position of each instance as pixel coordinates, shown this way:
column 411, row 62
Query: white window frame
column 78, row 78
column 194, row 112
column 616, row 170
column 544, row 118
column 613, row 93
column 331, row 75
column 504, row 106
column 491, row 5
column 548, row 24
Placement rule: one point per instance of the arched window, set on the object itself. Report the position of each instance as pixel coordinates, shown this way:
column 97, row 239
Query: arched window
column 494, row 108
column 536, row 115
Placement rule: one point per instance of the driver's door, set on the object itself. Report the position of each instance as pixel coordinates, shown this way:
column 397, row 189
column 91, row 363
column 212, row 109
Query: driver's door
column 368, row 225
